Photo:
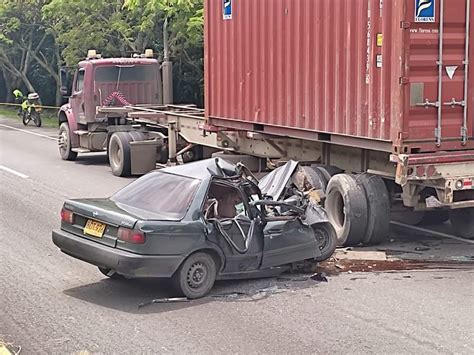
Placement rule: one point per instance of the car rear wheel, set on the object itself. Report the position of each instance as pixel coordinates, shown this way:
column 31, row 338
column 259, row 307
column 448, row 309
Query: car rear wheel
column 196, row 276
column 327, row 241
column 112, row 274
column 346, row 206
column 64, row 142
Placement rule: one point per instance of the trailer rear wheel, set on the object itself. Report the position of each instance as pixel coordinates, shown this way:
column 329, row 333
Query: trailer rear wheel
column 435, row 217
column 378, row 212
column 462, row 221
column 346, row 206
column 326, row 172
column 119, row 153
column 315, row 179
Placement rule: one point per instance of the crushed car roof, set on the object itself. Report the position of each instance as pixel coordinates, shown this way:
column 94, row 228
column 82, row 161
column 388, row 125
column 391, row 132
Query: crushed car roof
column 213, row 167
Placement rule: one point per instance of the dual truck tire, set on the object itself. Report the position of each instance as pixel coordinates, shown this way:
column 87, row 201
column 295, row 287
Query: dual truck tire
column 119, row 152
column 358, row 208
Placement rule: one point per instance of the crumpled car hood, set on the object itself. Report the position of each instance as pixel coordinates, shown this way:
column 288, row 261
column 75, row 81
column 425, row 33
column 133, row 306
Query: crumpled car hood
column 273, row 184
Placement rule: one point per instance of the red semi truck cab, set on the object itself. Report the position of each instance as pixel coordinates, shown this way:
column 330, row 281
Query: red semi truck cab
column 98, row 82
column 112, row 83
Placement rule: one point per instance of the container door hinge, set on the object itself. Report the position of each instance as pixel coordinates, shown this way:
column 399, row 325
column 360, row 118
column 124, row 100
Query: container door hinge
column 464, row 135
column 404, row 80
column 405, row 25
column 428, row 103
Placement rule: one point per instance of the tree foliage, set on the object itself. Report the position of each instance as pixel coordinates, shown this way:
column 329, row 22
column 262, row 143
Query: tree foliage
column 39, row 36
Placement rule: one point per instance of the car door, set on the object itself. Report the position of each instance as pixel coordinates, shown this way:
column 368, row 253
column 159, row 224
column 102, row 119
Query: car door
column 233, row 227
column 286, row 239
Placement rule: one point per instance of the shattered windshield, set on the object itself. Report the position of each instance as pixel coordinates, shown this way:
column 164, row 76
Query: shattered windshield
column 165, row 195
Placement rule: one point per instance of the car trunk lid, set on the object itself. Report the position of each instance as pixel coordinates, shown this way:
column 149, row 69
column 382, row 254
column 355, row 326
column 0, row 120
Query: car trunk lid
column 98, row 220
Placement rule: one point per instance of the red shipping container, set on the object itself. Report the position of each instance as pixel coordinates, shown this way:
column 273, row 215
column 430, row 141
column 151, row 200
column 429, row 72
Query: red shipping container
column 371, row 73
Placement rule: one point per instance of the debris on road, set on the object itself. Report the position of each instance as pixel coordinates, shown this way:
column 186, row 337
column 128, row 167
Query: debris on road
column 319, row 276
column 165, row 300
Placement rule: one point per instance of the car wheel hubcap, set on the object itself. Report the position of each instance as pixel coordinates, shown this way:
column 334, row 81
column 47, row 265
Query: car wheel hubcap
column 322, row 239
column 197, row 275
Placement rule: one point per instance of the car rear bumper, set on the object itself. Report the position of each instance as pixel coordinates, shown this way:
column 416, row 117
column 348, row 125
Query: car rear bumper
column 123, row 262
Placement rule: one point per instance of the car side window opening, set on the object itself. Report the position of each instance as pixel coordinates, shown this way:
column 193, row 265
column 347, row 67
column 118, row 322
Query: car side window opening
column 79, row 80
column 226, row 208
column 224, row 202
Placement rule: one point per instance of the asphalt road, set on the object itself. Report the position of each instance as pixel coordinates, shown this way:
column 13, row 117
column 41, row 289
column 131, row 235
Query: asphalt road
column 52, row 303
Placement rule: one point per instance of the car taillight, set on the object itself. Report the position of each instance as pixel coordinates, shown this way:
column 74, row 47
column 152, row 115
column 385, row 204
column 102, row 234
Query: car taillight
column 67, row 216
column 131, row 236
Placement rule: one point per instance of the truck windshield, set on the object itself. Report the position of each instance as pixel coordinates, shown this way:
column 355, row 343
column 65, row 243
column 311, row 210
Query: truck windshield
column 165, row 196
column 125, row 73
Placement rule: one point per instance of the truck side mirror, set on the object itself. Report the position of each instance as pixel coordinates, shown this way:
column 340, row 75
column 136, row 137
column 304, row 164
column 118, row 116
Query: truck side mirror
column 64, row 82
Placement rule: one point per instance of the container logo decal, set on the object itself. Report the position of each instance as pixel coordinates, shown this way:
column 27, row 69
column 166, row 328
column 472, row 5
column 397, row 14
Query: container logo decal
column 424, row 10
column 227, row 9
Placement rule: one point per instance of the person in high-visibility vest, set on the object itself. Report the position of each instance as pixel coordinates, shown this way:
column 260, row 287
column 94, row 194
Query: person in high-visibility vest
column 18, row 100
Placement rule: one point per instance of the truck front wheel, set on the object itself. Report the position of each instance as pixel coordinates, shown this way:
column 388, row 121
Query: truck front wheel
column 64, row 142
column 462, row 221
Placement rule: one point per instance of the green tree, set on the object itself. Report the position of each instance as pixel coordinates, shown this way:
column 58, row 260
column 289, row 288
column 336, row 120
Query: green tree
column 179, row 25
column 103, row 25
column 27, row 43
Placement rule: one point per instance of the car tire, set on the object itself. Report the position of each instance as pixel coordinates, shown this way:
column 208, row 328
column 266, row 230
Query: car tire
column 327, row 240
column 111, row 274
column 378, row 209
column 119, row 153
column 196, row 276
column 462, row 221
column 64, row 141
column 346, row 206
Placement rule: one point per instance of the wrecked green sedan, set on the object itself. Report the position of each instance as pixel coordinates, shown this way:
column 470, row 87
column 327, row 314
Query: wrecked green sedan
column 197, row 223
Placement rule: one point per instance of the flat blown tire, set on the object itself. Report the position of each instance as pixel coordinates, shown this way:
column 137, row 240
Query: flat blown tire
column 378, row 209
column 346, row 206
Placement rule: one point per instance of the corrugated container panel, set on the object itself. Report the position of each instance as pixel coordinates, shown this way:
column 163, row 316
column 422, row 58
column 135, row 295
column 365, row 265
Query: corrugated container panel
column 352, row 68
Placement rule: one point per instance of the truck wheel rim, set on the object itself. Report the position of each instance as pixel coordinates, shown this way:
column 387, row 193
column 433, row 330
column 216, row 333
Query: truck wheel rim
column 115, row 154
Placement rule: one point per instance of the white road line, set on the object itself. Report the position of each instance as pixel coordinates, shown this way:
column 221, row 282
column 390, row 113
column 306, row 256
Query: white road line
column 432, row 232
column 14, row 172
column 29, row 132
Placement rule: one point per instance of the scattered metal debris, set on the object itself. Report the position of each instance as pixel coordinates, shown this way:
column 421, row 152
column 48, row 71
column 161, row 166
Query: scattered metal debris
column 319, row 276
column 255, row 296
column 164, row 300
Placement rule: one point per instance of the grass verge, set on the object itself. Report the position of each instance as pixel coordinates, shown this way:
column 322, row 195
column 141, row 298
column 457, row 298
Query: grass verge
column 48, row 117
